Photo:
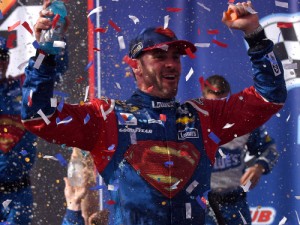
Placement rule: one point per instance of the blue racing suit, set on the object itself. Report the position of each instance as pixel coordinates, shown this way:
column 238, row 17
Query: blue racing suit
column 17, row 155
column 155, row 152
column 73, row 218
column 227, row 198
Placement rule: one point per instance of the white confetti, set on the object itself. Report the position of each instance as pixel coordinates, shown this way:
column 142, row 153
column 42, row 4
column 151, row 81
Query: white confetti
column 39, row 61
column 121, row 42
column 278, row 115
column 95, row 10
column 174, row 186
column 134, row 19
column 297, row 217
column 21, row 66
column 59, row 44
column 297, row 197
column 166, row 21
column 65, row 121
column 288, row 118
column 188, row 76
column 118, row 85
column 50, row 157
column 188, row 211
column 228, row 125
column 222, row 153
column 251, row 10
column 6, row 203
column 164, row 47
column 291, row 66
column 110, row 187
column 86, row 93
column 133, row 138
column 53, row 102
column 243, row 219
column 247, row 186
column 282, row 4
column 44, row 117
column 282, row 221
column 192, row 186
column 202, row 45
column 203, row 6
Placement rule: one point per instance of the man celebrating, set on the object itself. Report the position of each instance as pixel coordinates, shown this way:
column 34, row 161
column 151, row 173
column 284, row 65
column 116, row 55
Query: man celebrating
column 154, row 152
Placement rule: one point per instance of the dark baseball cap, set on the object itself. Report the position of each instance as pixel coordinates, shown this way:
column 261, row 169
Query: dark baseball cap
column 156, row 37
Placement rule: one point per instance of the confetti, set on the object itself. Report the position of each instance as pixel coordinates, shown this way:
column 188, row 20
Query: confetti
column 1, row 15
column 111, row 187
column 190, row 53
column 29, row 103
column 61, row 105
column 228, row 125
column 288, row 118
column 27, row 27
column 170, row 9
column 95, row 10
column 53, row 102
column 113, row 25
column 222, row 153
column 111, row 202
column 297, row 217
column 59, row 44
column 243, row 219
column 132, row 63
column 101, row 30
column 215, row 31
column 282, row 4
column 214, row 137
column 55, row 20
column 297, row 197
column 190, row 73
column 88, row 65
column 39, row 61
column 188, row 210
column 36, row 44
column 121, row 42
column 166, row 21
column 133, row 138
column 86, row 119
column 21, row 66
column 203, row 6
column 50, row 157
column 134, row 19
column 221, row 44
column 192, row 186
column 163, row 117
column 174, row 186
column 102, row 112
column 169, row 164
column 86, row 93
column 118, row 85
column 202, row 45
column 164, row 47
column 10, row 28
column 201, row 201
column 61, row 159
column 97, row 187
column 6, row 203
column 284, row 25
column 44, row 117
column 251, row 10
column 24, row 152
column 96, row 49
column 112, row 147
column 282, row 221
column 247, row 186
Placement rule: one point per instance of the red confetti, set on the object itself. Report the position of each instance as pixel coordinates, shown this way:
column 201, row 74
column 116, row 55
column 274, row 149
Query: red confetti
column 132, row 63
column 163, row 117
column 115, row 26
column 79, row 80
column 27, row 27
column 210, row 86
column 102, row 30
column 231, row 1
column 29, row 103
column 198, row 31
column 190, row 53
column 215, row 31
column 96, row 49
column 10, row 40
column 170, row 9
column 184, row 153
column 284, row 25
column 201, row 81
column 14, row 26
column 55, row 20
column 111, row 202
column 221, row 44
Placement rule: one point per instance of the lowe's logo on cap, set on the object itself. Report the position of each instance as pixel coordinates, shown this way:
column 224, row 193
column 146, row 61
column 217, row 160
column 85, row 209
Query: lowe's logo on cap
column 136, row 49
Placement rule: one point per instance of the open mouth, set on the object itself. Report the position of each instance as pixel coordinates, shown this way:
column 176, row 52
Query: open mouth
column 169, row 77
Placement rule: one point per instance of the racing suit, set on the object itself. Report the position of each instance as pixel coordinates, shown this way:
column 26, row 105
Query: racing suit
column 17, row 155
column 226, row 193
column 155, row 152
column 73, row 217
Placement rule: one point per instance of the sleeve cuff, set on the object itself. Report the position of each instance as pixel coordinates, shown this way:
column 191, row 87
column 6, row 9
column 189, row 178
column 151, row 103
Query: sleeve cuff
column 257, row 40
column 74, row 217
column 49, row 60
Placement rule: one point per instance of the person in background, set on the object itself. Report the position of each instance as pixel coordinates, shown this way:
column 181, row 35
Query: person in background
column 154, row 150
column 82, row 203
column 227, row 198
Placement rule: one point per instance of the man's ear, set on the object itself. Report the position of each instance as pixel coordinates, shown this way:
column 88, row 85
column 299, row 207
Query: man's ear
column 137, row 67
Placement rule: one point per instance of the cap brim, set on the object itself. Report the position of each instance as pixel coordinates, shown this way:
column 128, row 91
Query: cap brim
column 181, row 45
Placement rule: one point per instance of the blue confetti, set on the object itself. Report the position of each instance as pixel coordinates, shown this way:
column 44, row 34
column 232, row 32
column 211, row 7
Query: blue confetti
column 169, row 163
column 200, row 202
column 36, row 44
column 97, row 187
column 60, row 93
column 112, row 147
column 24, row 152
column 1, row 15
column 64, row 121
column 61, row 159
column 57, row 120
column 214, row 137
column 88, row 65
column 86, row 119
column 61, row 105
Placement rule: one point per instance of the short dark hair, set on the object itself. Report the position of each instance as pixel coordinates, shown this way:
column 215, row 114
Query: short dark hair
column 217, row 85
